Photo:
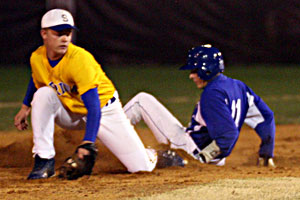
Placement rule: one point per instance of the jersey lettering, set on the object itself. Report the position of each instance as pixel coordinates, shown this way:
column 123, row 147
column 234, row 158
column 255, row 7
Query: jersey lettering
column 61, row 88
column 236, row 111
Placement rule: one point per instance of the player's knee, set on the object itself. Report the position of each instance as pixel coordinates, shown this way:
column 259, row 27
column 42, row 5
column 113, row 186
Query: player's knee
column 43, row 93
column 143, row 96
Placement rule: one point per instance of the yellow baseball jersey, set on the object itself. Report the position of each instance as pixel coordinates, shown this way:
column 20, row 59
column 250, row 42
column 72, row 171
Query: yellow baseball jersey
column 76, row 73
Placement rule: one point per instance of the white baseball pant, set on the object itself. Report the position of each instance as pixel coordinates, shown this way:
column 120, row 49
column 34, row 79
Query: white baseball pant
column 115, row 131
column 165, row 127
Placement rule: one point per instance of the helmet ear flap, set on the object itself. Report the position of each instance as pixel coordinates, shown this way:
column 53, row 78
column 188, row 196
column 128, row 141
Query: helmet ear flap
column 202, row 74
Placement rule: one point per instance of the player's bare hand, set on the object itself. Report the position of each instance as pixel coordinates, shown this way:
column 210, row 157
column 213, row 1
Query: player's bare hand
column 21, row 122
column 267, row 162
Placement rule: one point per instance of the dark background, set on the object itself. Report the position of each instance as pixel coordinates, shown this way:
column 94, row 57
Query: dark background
column 160, row 31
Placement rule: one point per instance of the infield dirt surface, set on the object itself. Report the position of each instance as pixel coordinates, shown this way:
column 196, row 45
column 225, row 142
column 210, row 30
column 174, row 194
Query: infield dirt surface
column 111, row 181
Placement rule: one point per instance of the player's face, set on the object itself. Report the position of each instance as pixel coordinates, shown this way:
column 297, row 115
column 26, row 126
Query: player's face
column 199, row 82
column 56, row 42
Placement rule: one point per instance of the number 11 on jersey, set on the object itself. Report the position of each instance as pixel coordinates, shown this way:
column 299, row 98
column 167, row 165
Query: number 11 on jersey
column 236, row 111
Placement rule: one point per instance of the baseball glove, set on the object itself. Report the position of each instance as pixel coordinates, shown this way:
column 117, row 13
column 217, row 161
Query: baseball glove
column 74, row 167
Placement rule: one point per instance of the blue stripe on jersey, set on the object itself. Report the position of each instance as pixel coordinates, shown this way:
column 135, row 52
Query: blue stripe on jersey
column 92, row 103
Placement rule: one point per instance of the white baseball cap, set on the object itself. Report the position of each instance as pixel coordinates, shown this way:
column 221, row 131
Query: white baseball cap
column 58, row 19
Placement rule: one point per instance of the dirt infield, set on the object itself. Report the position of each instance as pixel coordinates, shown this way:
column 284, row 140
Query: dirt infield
column 111, row 181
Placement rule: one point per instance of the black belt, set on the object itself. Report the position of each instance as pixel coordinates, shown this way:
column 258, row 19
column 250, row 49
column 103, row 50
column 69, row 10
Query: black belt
column 110, row 101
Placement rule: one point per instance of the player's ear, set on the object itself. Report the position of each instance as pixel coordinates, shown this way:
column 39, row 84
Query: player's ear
column 43, row 33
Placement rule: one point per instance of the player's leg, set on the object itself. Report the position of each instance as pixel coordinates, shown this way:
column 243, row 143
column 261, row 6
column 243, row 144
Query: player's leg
column 163, row 124
column 119, row 136
column 44, row 106
column 46, row 110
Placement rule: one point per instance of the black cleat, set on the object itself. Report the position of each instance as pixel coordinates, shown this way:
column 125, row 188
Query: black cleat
column 169, row 158
column 43, row 168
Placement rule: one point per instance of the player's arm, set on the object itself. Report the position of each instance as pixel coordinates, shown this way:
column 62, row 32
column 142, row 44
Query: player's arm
column 261, row 118
column 92, row 103
column 194, row 125
column 21, row 117
column 221, row 127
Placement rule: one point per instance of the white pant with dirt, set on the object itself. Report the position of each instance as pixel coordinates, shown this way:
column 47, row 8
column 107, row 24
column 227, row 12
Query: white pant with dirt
column 115, row 131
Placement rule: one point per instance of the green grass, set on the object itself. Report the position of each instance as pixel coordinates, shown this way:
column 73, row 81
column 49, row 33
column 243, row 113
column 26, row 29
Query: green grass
column 13, row 83
column 278, row 85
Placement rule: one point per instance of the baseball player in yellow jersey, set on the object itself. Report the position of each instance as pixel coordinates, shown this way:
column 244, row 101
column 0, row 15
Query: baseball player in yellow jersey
column 69, row 88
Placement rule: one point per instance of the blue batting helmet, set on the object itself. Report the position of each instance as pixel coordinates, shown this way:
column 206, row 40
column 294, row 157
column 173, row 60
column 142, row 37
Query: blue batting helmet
column 206, row 59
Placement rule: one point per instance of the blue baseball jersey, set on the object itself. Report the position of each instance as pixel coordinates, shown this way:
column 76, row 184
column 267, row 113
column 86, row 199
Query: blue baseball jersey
column 224, row 106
